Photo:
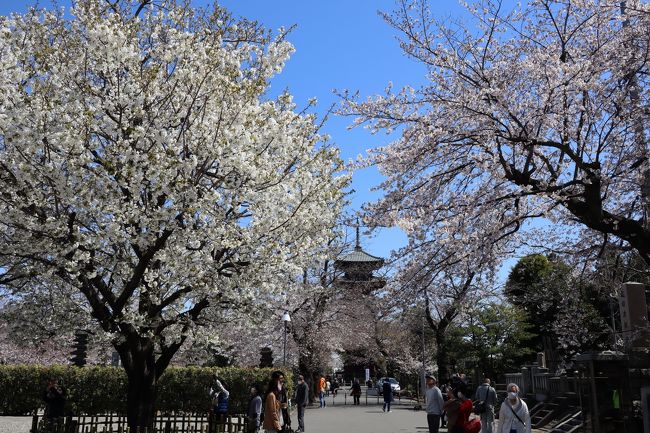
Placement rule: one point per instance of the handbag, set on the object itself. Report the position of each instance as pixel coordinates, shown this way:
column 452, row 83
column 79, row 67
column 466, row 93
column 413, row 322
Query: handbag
column 480, row 406
column 473, row 426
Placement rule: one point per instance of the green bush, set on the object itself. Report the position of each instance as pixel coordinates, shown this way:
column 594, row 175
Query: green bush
column 95, row 390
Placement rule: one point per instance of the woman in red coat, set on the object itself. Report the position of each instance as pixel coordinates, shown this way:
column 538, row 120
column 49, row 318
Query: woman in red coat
column 463, row 424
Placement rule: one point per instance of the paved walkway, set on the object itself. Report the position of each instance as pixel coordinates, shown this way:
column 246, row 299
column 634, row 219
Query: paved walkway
column 340, row 418
column 364, row 419
column 15, row 424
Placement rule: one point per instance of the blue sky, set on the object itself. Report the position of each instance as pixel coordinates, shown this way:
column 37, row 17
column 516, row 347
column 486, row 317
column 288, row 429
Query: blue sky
column 340, row 44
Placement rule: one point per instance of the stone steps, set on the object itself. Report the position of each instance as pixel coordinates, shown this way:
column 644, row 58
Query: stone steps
column 570, row 424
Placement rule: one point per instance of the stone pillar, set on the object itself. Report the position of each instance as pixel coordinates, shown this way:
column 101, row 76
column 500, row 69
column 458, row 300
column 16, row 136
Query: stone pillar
column 634, row 315
column 526, row 385
column 541, row 359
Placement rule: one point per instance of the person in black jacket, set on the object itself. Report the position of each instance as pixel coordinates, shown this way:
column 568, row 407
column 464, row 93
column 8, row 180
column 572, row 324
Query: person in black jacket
column 387, row 390
column 356, row 392
column 302, row 398
column 54, row 397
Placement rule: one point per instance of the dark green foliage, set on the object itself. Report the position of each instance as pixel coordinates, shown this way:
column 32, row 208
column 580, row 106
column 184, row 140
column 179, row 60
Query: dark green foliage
column 537, row 284
column 568, row 314
column 94, row 390
column 492, row 342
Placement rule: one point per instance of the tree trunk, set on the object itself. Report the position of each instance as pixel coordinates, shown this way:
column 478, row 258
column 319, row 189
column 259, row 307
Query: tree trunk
column 140, row 367
column 442, row 356
column 309, row 374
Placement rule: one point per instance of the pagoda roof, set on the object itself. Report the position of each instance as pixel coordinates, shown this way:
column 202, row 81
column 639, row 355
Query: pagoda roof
column 359, row 256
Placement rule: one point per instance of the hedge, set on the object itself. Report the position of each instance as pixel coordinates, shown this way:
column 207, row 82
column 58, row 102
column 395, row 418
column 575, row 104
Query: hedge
column 95, row 390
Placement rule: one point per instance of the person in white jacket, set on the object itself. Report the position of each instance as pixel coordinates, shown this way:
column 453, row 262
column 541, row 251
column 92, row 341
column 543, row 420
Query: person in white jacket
column 514, row 416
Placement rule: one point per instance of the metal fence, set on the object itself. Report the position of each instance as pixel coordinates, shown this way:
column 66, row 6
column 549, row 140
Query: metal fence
column 163, row 423
column 369, row 396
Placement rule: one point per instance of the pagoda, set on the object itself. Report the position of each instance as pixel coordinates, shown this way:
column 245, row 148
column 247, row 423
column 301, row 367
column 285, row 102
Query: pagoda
column 358, row 267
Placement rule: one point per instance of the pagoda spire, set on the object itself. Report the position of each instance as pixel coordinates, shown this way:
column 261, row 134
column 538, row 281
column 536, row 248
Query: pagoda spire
column 358, row 245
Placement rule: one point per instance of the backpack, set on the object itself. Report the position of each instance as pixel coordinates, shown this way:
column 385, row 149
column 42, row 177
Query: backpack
column 223, row 403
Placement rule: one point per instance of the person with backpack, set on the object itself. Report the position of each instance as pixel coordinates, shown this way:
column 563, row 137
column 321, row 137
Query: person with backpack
column 220, row 400
column 514, row 416
column 486, row 399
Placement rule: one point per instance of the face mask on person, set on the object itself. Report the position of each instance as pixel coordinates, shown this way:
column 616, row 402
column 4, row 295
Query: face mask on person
column 512, row 395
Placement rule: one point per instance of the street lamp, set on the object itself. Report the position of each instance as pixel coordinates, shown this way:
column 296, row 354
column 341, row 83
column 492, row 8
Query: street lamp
column 286, row 319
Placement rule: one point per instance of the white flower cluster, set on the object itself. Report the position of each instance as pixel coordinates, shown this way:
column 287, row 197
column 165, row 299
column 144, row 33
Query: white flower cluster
column 141, row 166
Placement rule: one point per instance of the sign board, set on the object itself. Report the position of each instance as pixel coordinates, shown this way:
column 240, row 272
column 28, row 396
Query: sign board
column 115, row 359
column 367, row 374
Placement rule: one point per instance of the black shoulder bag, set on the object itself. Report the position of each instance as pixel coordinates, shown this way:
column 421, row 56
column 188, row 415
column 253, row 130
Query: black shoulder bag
column 480, row 405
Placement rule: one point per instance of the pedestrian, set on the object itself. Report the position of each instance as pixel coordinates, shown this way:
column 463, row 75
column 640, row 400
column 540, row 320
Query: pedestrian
column 445, row 396
column 328, row 387
column 302, row 398
column 464, row 412
column 486, row 398
column 356, row 392
column 272, row 409
column 514, row 416
column 54, row 397
column 387, row 390
column 335, row 386
column 322, row 386
column 220, row 399
column 452, row 409
column 435, row 404
column 284, row 401
column 254, row 410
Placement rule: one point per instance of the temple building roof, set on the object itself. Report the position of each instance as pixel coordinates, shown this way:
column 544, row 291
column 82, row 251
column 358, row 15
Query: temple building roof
column 359, row 256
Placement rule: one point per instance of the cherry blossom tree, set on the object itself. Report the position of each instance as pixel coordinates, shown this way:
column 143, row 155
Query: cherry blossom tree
column 144, row 172
column 50, row 351
column 538, row 112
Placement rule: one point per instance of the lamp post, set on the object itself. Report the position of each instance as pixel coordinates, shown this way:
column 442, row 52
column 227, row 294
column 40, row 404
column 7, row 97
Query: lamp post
column 421, row 387
column 286, row 319
column 423, row 379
